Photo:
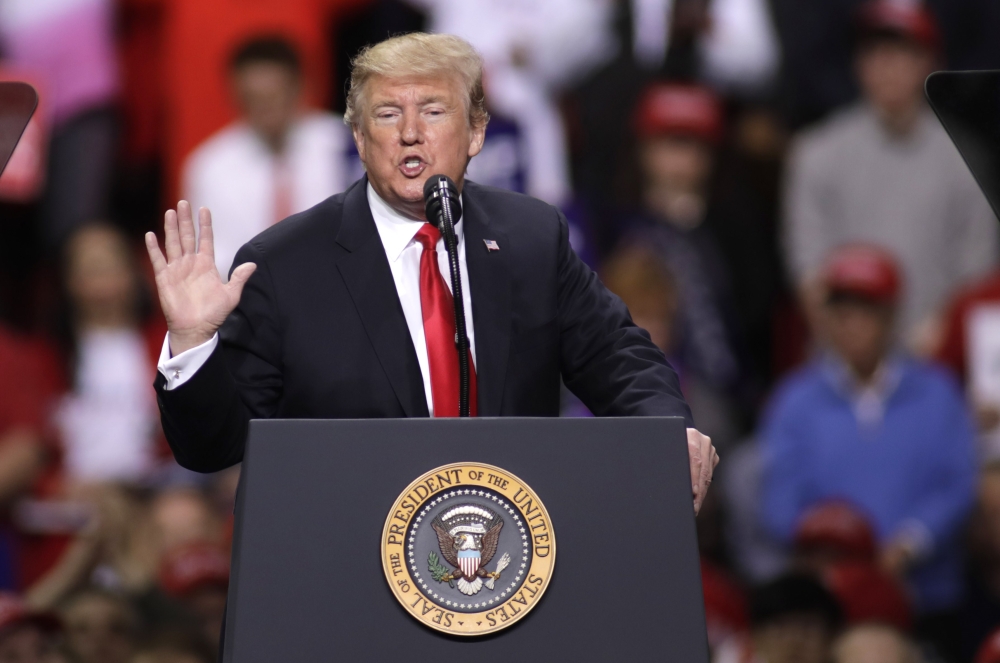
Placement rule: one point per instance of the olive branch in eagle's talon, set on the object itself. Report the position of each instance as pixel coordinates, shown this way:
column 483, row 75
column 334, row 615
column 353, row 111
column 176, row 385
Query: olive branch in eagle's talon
column 439, row 572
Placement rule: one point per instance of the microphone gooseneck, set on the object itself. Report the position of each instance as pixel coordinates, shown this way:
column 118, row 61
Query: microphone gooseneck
column 442, row 205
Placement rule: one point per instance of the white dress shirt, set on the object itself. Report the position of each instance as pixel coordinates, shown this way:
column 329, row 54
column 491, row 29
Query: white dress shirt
column 397, row 233
column 108, row 423
column 236, row 175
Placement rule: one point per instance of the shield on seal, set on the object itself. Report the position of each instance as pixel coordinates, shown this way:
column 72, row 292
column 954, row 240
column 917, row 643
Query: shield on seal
column 468, row 561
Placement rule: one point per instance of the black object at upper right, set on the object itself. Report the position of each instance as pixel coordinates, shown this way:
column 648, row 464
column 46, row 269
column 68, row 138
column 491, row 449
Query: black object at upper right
column 968, row 105
column 18, row 102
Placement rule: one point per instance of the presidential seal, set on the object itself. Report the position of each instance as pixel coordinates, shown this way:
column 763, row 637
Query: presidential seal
column 468, row 549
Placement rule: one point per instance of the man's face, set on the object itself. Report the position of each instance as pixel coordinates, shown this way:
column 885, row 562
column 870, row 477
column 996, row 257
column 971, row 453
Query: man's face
column 676, row 162
column 986, row 525
column 268, row 94
column 892, row 74
column 208, row 604
column 26, row 644
column 858, row 331
column 871, row 644
column 98, row 631
column 793, row 639
column 411, row 128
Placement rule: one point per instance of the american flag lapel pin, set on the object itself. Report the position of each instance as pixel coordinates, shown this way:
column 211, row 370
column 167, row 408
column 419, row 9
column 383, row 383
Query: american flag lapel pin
column 491, row 245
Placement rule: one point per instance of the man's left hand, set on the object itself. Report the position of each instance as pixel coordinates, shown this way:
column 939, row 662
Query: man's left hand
column 703, row 458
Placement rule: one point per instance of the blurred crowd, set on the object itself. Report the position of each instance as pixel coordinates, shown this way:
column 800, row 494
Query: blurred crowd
column 761, row 181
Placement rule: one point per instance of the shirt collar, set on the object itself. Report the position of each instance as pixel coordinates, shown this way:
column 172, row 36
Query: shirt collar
column 869, row 401
column 396, row 230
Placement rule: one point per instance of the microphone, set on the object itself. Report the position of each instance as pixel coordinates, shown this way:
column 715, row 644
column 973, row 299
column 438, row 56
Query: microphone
column 443, row 206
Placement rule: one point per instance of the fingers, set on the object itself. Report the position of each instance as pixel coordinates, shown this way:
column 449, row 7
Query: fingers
column 704, row 459
column 185, row 222
column 694, row 455
column 155, row 255
column 206, row 241
column 239, row 278
column 171, row 239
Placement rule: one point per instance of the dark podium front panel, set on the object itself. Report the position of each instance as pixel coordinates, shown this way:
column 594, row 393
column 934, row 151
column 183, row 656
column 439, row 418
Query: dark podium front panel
column 308, row 583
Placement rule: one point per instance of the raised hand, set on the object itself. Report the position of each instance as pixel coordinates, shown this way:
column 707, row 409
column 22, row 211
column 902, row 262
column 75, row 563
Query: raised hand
column 194, row 299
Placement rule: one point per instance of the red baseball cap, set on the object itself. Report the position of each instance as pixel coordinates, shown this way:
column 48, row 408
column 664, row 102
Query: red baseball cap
column 837, row 527
column 192, row 567
column 13, row 612
column 673, row 109
column 725, row 604
column 868, row 594
column 989, row 651
column 866, row 271
column 909, row 19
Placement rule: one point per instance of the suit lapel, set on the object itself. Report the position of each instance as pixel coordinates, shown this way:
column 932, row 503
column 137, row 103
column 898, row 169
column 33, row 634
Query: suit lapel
column 365, row 270
column 489, row 280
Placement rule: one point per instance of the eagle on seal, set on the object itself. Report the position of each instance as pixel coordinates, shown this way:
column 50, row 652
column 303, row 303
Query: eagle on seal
column 468, row 535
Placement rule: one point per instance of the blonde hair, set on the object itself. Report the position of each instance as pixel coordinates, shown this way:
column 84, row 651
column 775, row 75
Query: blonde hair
column 419, row 54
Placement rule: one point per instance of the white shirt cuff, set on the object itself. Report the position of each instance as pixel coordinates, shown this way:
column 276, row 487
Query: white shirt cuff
column 178, row 370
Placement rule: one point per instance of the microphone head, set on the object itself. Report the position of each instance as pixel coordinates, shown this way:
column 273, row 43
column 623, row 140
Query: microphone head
column 439, row 190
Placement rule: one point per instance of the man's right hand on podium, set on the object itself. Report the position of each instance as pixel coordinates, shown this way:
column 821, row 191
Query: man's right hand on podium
column 193, row 296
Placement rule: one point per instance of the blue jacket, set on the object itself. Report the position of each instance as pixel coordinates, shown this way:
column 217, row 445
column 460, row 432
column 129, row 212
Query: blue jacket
column 912, row 467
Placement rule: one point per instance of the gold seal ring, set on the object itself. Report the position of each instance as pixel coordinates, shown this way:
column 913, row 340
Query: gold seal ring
column 468, row 549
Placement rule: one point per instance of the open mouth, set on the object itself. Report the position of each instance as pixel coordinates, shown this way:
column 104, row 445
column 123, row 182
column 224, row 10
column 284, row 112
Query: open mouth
column 412, row 166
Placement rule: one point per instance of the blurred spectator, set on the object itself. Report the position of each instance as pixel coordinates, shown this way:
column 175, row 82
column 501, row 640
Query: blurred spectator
column 989, row 651
column 153, row 552
column 758, row 556
column 277, row 160
column 836, row 541
column 875, row 643
column 888, row 433
column 108, row 422
column 30, row 386
column 868, row 595
column 531, row 49
column 793, row 619
column 191, row 50
column 970, row 346
column 729, row 43
column 27, row 636
column 679, row 126
column 832, row 532
column 101, row 627
column 981, row 610
column 885, row 172
column 732, row 43
column 638, row 275
column 726, row 615
column 69, row 48
column 197, row 576
column 816, row 44
column 184, row 516
column 174, row 648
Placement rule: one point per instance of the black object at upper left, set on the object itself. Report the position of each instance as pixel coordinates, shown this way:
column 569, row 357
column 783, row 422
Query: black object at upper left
column 18, row 102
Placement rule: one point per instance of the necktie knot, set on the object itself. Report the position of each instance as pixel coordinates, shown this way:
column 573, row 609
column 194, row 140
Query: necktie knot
column 428, row 236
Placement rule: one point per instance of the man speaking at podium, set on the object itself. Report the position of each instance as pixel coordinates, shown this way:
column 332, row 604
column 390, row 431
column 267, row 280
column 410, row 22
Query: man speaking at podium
column 343, row 311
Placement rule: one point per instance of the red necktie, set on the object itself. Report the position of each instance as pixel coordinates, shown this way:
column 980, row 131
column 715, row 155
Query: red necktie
column 282, row 174
column 439, row 330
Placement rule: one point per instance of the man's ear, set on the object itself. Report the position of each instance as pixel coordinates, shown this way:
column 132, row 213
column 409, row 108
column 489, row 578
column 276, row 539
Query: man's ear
column 478, row 136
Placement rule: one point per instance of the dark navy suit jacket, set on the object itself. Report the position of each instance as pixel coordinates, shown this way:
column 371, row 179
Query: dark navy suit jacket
column 320, row 333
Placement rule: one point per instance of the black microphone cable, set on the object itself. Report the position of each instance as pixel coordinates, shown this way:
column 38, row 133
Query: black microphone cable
column 441, row 203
